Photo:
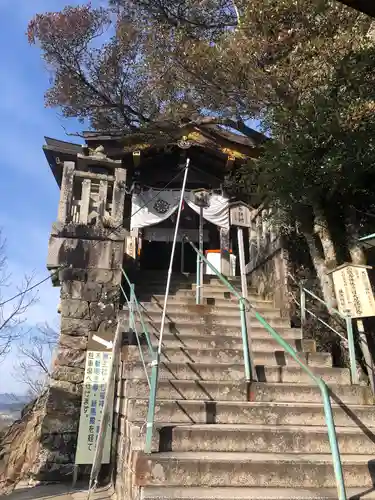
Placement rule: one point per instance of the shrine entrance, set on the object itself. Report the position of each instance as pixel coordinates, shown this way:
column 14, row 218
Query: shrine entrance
column 157, row 243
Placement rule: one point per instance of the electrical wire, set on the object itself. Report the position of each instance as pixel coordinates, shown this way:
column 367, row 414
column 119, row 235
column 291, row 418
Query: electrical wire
column 27, row 290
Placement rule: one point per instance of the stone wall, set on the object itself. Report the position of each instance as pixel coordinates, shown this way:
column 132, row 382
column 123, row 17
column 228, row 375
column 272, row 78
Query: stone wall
column 89, row 305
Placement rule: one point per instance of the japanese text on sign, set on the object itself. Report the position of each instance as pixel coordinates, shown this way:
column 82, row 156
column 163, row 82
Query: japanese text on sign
column 240, row 216
column 97, row 373
column 353, row 291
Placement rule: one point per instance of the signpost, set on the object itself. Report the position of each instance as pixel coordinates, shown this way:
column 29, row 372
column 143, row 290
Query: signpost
column 95, row 424
column 355, row 300
column 240, row 216
column 202, row 200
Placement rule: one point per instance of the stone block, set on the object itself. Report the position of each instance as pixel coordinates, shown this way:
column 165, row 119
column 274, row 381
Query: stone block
column 99, row 311
column 73, row 342
column 71, row 289
column 72, row 274
column 84, row 254
column 60, row 423
column 87, row 291
column 68, row 374
column 63, row 396
column 76, row 327
column 110, row 294
column 71, row 308
column 84, row 231
column 61, row 446
column 71, row 357
column 104, row 276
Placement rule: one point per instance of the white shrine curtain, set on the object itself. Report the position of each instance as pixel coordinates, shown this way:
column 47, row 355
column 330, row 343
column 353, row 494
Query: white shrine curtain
column 149, row 213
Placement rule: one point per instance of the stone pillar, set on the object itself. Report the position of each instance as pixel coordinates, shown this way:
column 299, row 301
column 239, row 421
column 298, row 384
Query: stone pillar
column 90, row 292
column 92, row 256
column 66, row 194
column 225, row 251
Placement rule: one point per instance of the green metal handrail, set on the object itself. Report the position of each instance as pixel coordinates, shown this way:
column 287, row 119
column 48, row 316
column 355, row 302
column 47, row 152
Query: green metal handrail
column 326, row 402
column 243, row 304
column 348, row 322
column 138, row 308
column 133, row 326
column 336, row 458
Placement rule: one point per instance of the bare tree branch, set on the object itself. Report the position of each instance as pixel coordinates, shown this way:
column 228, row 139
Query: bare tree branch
column 34, row 366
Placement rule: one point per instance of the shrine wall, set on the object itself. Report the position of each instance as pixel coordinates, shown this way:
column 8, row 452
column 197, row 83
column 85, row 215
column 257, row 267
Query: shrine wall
column 269, row 261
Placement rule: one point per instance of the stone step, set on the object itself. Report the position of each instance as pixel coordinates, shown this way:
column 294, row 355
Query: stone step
column 184, row 292
column 257, row 413
column 242, row 391
column 212, row 355
column 195, row 328
column 231, row 372
column 231, row 311
column 231, row 303
column 239, row 493
column 224, row 318
column 275, row 470
column 253, row 438
column 264, row 343
column 161, row 277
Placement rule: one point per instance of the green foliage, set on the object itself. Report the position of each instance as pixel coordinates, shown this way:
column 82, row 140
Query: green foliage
column 305, row 68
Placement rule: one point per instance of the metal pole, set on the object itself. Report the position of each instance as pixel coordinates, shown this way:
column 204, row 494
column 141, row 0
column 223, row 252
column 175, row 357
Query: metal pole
column 336, row 459
column 366, row 354
column 352, row 358
column 182, row 256
column 245, row 318
column 303, row 304
column 172, row 257
column 156, row 362
column 201, row 251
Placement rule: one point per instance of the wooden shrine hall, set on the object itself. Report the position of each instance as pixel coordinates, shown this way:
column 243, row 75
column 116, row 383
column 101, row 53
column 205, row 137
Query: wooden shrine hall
column 112, row 182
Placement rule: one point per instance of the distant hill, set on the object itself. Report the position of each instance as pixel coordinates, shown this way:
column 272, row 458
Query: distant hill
column 10, row 407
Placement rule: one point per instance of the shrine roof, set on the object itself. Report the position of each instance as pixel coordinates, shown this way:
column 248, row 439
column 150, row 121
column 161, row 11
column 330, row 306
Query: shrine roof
column 210, row 145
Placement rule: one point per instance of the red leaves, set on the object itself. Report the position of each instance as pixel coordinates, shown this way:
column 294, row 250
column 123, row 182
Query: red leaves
column 73, row 25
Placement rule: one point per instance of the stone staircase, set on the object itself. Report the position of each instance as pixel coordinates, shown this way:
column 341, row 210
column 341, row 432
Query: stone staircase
column 218, row 437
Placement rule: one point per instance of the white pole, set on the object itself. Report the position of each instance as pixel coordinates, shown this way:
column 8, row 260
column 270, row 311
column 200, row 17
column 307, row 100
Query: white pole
column 201, row 251
column 172, row 258
column 241, row 251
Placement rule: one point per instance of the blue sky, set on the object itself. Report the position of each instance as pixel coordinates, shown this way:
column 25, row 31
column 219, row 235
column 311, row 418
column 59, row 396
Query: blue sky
column 28, row 192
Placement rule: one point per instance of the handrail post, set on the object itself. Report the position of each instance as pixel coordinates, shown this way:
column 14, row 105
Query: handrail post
column 303, row 304
column 198, row 282
column 351, row 346
column 245, row 342
column 152, row 404
column 332, row 436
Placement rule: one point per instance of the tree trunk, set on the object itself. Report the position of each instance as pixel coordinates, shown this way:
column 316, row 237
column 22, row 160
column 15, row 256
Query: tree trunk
column 356, row 251
column 322, row 230
column 321, row 269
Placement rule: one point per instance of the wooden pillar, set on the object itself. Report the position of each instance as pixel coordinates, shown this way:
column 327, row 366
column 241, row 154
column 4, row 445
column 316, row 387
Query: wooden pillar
column 224, row 251
column 66, row 195
column 118, row 201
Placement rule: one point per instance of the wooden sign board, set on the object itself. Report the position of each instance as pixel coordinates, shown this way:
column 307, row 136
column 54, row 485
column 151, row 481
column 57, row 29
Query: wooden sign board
column 240, row 215
column 97, row 375
column 353, row 291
